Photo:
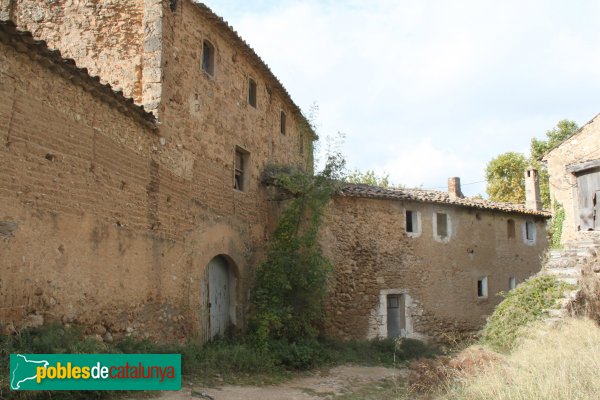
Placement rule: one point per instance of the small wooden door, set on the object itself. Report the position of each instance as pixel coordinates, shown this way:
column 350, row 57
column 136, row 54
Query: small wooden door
column 219, row 289
column 588, row 183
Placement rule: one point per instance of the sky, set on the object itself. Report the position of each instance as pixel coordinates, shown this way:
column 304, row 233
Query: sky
column 428, row 89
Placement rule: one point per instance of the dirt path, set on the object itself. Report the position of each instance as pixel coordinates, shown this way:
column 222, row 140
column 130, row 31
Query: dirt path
column 328, row 384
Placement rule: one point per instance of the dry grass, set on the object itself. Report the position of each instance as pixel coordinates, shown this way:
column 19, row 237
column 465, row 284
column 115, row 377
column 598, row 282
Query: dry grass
column 550, row 362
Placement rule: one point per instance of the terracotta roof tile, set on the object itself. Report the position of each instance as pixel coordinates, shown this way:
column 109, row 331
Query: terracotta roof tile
column 436, row 197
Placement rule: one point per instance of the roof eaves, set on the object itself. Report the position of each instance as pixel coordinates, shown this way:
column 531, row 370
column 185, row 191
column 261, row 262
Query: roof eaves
column 437, row 197
column 23, row 42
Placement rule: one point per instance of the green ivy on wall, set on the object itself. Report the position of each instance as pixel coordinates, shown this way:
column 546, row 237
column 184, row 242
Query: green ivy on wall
column 286, row 302
column 558, row 219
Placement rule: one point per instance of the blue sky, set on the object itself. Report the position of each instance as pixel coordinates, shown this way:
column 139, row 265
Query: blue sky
column 424, row 90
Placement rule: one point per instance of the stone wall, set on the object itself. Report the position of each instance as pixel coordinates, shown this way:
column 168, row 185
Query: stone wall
column 94, row 228
column 206, row 116
column 106, row 222
column 106, row 37
column 374, row 256
column 583, row 146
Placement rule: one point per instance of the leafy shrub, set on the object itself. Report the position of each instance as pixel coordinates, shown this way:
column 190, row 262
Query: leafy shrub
column 556, row 228
column 528, row 302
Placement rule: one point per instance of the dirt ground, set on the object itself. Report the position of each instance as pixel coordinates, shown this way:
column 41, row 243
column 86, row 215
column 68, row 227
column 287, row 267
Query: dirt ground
column 339, row 381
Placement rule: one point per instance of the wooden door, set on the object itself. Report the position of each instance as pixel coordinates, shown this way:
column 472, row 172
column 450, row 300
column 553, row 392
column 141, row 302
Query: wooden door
column 219, row 296
column 588, row 183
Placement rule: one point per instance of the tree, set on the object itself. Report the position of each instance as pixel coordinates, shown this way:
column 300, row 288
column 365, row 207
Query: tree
column 505, row 177
column 505, row 173
column 369, row 178
column 564, row 129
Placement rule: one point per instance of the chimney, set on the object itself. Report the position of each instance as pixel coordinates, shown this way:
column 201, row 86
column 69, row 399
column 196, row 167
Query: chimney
column 533, row 200
column 454, row 188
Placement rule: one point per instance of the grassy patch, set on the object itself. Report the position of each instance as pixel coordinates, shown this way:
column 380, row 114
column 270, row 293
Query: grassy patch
column 527, row 303
column 222, row 361
column 551, row 362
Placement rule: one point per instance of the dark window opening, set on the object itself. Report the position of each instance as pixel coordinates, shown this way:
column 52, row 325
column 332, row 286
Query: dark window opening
column 252, row 93
column 282, row 123
column 529, row 230
column 442, row 225
column 240, row 169
column 510, row 229
column 482, row 289
column 409, row 221
column 208, row 58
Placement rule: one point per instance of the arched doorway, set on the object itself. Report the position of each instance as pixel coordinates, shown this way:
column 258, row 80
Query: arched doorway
column 221, row 295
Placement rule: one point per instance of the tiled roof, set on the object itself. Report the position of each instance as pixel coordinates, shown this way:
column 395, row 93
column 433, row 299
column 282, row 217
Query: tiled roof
column 436, row 197
column 23, row 41
column 236, row 38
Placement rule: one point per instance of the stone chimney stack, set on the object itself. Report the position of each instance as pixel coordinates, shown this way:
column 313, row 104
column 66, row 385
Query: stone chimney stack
column 533, row 200
column 454, row 188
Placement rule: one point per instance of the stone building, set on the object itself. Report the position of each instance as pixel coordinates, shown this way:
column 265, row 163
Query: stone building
column 423, row 263
column 122, row 220
column 140, row 211
column 574, row 169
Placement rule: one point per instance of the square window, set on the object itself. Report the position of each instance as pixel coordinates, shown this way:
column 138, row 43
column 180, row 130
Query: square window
column 240, row 168
column 482, row 287
column 393, row 301
column 252, row 93
column 208, row 58
column 442, row 224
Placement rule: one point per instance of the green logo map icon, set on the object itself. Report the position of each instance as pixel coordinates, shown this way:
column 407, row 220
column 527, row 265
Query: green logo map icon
column 95, row 372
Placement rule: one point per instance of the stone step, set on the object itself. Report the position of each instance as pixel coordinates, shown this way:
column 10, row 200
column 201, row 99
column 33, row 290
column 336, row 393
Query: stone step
column 561, row 263
column 569, row 280
column 566, row 272
column 582, row 243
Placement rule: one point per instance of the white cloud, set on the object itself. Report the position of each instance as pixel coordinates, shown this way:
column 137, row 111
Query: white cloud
column 428, row 89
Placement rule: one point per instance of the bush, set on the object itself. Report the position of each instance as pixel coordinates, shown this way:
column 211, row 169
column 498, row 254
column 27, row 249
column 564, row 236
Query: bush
column 527, row 303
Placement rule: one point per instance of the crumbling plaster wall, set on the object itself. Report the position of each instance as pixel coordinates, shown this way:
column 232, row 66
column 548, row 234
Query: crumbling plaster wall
column 584, row 146
column 371, row 253
column 93, row 228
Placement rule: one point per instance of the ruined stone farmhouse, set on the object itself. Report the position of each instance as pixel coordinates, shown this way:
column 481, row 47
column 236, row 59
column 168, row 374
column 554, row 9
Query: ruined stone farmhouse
column 574, row 169
column 424, row 263
column 130, row 194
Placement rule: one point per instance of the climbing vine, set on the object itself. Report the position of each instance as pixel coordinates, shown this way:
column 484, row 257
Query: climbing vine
column 558, row 219
column 290, row 285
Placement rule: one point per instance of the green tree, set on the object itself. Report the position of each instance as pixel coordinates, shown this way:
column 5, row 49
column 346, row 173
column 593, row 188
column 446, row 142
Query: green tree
column 505, row 173
column 563, row 130
column 505, row 178
column 369, row 178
